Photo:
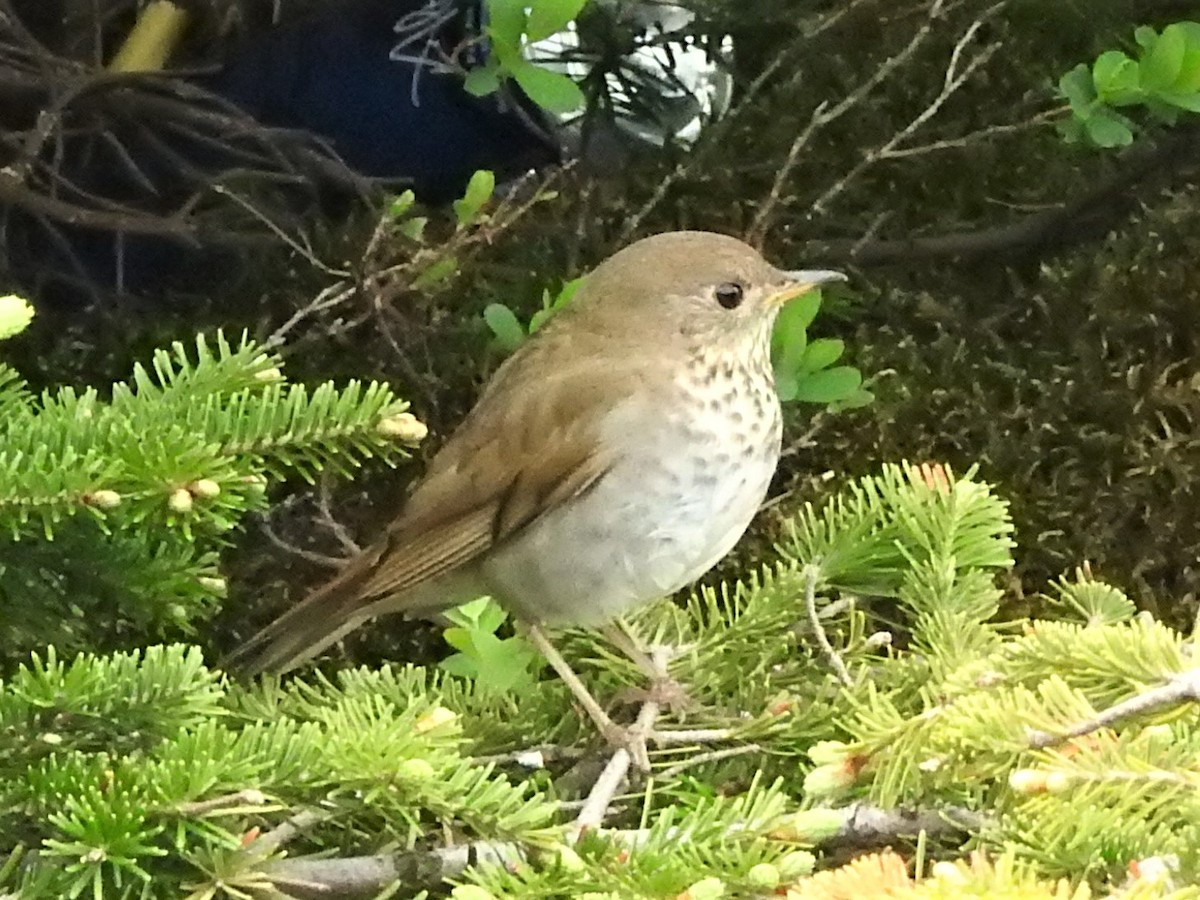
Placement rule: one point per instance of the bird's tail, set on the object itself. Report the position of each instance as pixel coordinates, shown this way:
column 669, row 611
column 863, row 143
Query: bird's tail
column 323, row 617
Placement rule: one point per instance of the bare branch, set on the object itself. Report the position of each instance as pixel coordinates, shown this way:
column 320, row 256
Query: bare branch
column 719, row 129
column 818, row 629
column 954, row 79
column 1181, row 688
column 824, row 114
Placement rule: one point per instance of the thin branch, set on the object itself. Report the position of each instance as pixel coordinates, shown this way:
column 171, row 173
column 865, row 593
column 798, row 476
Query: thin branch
column 284, row 833
column 363, row 876
column 955, row 77
column 714, row 134
column 283, row 236
column 1038, row 120
column 1176, row 155
column 600, row 798
column 818, row 629
column 321, row 559
column 824, row 114
column 701, row 759
column 866, row 825
column 1182, row 688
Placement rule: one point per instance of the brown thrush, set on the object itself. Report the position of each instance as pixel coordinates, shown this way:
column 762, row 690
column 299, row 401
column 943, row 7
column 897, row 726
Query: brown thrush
column 613, row 459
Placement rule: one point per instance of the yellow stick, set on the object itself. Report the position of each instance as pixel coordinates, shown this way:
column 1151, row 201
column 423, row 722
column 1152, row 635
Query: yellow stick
column 153, row 38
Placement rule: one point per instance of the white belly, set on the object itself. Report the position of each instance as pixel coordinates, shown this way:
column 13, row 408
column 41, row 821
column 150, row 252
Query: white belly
column 684, row 487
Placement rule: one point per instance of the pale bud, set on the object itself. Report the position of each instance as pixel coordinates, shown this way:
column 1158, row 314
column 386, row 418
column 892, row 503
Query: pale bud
column 710, row 888
column 205, row 488
column 1027, row 781
column 415, row 770
column 435, row 718
column 948, row 872
column 103, row 499
column 403, row 427
column 180, row 501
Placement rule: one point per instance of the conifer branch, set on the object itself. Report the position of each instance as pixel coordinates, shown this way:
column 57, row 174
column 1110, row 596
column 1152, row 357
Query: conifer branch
column 1181, row 688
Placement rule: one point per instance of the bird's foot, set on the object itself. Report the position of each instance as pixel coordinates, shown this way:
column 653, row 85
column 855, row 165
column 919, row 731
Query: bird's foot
column 664, row 691
column 631, row 739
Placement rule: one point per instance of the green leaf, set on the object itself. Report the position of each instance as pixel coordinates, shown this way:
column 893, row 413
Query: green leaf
column 801, row 311
column 856, row 400
column 460, row 639
column 1190, row 101
column 547, row 17
column 828, row 385
column 1116, row 77
column 551, row 306
column 1163, row 62
column 1079, row 89
column 547, row 89
column 439, row 271
column 505, row 325
column 401, row 204
column 1072, row 130
column 1189, row 75
column 491, row 616
column 460, row 665
column 785, row 384
column 821, row 354
column 506, row 22
column 1107, row 129
column 1145, row 36
column 483, row 80
column 468, row 615
column 479, row 192
column 1161, row 110
column 15, row 315
column 414, row 228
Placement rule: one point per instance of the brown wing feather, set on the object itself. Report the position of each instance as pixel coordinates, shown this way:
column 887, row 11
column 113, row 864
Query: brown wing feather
column 525, row 449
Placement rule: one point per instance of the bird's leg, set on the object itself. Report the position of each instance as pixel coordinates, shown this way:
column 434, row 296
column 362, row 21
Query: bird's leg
column 629, row 738
column 664, row 689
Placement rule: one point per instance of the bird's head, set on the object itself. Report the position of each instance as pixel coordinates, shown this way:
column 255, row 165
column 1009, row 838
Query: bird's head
column 703, row 288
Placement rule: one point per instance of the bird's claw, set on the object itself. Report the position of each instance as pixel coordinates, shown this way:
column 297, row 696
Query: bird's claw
column 630, row 739
column 664, row 691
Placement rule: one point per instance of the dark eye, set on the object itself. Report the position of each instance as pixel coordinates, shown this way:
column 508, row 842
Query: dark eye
column 730, row 294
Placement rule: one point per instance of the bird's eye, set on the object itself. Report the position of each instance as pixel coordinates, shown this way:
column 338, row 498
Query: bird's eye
column 730, row 294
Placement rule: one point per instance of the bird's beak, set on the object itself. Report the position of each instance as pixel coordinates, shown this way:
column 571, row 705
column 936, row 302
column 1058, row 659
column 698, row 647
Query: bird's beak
column 801, row 282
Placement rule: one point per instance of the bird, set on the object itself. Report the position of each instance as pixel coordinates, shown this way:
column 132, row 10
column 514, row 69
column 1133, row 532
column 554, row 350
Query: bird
column 613, row 459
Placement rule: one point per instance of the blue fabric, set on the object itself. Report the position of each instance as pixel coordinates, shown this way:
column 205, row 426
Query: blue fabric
column 331, row 74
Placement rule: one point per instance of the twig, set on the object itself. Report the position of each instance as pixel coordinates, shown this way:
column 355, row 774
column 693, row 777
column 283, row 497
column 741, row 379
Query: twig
column 334, row 295
column 327, row 519
column 719, row 129
column 1045, row 117
column 703, row 758
column 363, row 876
column 866, row 825
column 601, row 796
column 366, row 876
column 1182, row 688
column 954, row 79
column 818, row 629
column 321, row 559
column 269, row 842
column 1059, row 226
column 692, row 736
column 283, row 236
column 248, row 797
column 824, row 114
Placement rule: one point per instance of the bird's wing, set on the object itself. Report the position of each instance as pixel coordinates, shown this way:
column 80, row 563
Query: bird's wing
column 524, row 450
